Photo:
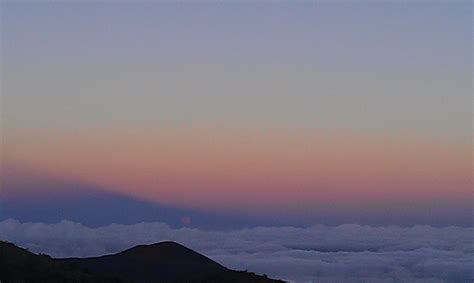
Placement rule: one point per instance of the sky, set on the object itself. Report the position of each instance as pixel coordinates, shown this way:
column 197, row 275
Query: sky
column 292, row 113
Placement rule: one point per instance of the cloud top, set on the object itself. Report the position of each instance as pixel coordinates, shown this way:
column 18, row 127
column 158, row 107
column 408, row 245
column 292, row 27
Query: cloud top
column 346, row 252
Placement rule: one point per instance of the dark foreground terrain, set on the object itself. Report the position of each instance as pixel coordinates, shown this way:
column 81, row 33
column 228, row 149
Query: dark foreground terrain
column 161, row 262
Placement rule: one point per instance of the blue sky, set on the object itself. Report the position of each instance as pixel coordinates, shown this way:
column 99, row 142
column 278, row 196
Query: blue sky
column 394, row 73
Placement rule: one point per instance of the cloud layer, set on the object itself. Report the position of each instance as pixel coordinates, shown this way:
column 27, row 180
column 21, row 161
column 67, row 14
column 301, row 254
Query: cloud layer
column 324, row 253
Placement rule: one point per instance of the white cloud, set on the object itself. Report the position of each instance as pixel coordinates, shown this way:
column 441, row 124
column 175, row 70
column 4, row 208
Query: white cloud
column 322, row 253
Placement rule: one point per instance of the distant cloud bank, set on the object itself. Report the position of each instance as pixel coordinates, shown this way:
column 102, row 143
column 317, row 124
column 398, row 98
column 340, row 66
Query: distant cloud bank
column 328, row 254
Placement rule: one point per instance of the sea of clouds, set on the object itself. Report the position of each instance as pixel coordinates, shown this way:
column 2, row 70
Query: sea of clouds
column 345, row 253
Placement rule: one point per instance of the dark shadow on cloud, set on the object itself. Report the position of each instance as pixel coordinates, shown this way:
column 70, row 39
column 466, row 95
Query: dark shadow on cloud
column 101, row 208
column 35, row 197
column 51, row 201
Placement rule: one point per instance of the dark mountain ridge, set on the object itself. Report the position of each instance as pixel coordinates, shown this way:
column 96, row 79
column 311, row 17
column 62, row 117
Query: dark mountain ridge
column 168, row 261
column 162, row 262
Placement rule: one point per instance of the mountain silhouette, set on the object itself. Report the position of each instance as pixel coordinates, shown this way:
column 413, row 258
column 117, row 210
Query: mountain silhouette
column 162, row 262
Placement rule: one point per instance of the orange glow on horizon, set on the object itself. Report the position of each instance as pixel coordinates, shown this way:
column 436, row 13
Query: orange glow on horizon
column 203, row 166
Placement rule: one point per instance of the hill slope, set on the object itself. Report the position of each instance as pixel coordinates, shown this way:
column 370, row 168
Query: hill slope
column 163, row 262
column 20, row 265
column 167, row 261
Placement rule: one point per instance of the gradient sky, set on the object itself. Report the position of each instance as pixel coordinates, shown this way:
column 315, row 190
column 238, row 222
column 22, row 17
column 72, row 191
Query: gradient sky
column 245, row 108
